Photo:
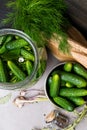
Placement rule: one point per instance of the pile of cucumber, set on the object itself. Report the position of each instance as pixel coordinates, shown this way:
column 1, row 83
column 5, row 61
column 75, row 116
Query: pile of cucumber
column 16, row 59
column 67, row 85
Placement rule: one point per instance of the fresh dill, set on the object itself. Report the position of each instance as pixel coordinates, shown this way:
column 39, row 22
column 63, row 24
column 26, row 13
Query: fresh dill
column 40, row 19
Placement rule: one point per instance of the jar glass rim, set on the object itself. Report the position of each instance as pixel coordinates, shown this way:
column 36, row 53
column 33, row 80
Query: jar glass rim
column 18, row 85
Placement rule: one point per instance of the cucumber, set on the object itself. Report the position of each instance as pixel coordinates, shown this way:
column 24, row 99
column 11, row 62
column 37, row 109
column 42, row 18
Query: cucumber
column 16, row 44
column 80, row 70
column 77, row 100
column 64, row 103
column 54, row 86
column 2, row 49
column 75, row 92
column 1, row 39
column 49, row 81
column 68, row 66
column 6, row 39
column 2, row 72
column 29, row 67
column 69, row 85
column 16, row 70
column 27, row 55
column 73, row 79
column 11, row 54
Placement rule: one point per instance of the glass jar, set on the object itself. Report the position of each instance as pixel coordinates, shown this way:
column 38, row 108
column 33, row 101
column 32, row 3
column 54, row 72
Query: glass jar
column 39, row 63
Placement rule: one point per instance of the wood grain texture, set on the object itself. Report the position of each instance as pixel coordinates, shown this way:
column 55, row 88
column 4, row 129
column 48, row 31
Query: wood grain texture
column 78, row 47
column 77, row 11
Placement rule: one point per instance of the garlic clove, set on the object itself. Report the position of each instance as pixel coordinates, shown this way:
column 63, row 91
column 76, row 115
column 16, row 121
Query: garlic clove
column 50, row 117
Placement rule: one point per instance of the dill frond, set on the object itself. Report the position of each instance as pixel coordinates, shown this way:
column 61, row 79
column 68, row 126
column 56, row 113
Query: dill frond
column 40, row 19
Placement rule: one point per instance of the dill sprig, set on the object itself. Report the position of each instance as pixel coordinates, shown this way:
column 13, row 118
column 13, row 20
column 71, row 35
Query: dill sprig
column 40, row 19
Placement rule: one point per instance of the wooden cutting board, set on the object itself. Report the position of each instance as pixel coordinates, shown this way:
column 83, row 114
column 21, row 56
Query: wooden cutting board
column 78, row 47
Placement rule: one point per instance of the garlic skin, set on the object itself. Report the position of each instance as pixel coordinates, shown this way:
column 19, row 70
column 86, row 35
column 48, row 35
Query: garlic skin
column 50, row 117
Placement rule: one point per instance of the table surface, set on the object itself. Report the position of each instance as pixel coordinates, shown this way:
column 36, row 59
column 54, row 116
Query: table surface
column 33, row 115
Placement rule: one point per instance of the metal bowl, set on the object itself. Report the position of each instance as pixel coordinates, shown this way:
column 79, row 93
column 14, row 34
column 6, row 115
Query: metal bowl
column 55, row 68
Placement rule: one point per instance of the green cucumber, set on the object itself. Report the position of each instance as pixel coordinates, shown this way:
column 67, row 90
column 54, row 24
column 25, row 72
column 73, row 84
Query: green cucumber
column 73, row 79
column 77, row 100
column 68, row 66
column 69, row 85
column 18, row 43
column 29, row 67
column 16, row 70
column 2, row 49
column 27, row 55
column 1, row 39
column 2, row 72
column 11, row 54
column 49, row 81
column 54, row 86
column 75, row 92
column 80, row 70
column 64, row 103
column 6, row 39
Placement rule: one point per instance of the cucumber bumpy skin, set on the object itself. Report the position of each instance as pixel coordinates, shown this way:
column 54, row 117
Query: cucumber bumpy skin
column 18, row 43
column 76, row 80
column 75, row 92
column 27, row 55
column 64, row 103
column 2, row 72
column 54, row 86
column 77, row 100
column 6, row 39
column 69, row 85
column 80, row 70
column 16, row 70
column 29, row 67
column 68, row 66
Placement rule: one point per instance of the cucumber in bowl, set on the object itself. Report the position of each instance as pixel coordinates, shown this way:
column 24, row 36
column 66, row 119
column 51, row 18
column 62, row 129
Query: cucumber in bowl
column 70, row 89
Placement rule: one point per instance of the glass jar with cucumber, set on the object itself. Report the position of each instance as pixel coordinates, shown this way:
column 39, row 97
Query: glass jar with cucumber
column 22, row 63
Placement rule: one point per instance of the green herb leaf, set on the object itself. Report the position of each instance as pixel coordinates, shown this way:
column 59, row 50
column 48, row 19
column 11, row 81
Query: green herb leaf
column 78, row 120
column 40, row 19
